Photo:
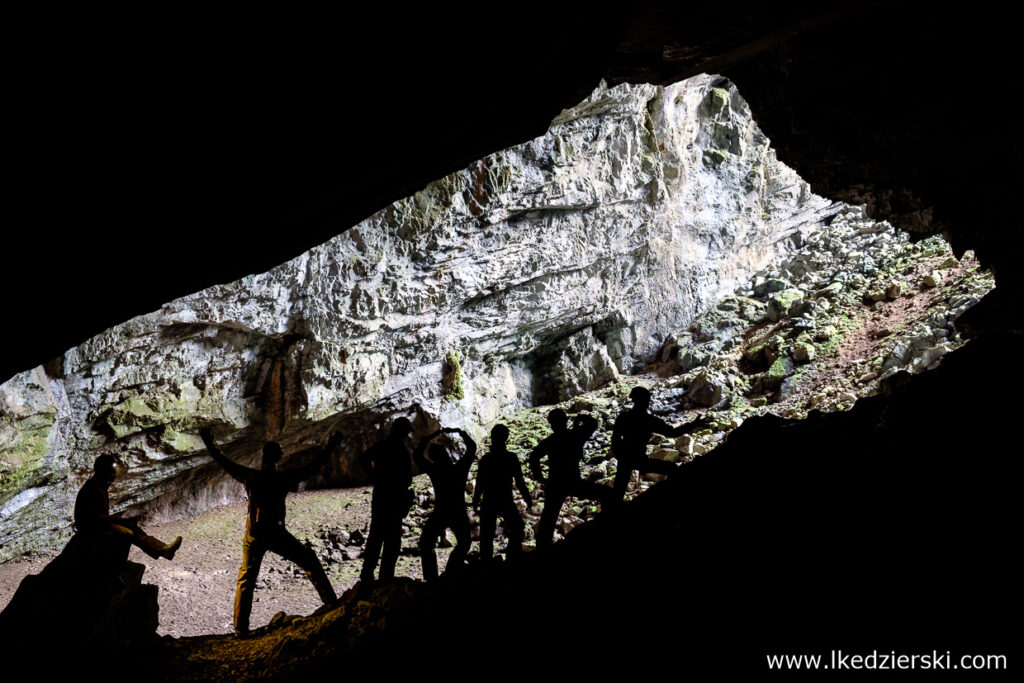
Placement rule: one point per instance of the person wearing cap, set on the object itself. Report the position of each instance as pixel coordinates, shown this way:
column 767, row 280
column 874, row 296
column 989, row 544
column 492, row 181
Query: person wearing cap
column 267, row 489
column 389, row 464
column 92, row 514
column 633, row 429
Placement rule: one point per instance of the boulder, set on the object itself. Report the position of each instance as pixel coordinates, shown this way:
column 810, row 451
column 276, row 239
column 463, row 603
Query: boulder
column 833, row 290
column 803, row 352
column 782, row 368
column 771, row 286
column 779, row 303
column 896, row 290
column 91, row 592
column 707, row 388
column 684, row 445
column 666, row 454
column 825, row 333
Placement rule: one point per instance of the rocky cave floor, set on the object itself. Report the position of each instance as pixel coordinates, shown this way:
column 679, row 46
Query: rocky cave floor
column 848, row 314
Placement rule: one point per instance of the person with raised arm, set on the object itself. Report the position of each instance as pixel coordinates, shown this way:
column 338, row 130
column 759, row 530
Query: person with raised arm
column 564, row 452
column 449, row 481
column 633, row 429
column 267, row 489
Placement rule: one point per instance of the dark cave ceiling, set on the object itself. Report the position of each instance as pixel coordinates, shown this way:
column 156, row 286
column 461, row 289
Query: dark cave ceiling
column 191, row 150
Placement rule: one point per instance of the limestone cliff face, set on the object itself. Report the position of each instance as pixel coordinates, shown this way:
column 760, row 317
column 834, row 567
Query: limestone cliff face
column 539, row 271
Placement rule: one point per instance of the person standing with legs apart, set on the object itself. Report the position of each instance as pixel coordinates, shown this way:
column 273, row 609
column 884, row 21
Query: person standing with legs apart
column 498, row 470
column 267, row 489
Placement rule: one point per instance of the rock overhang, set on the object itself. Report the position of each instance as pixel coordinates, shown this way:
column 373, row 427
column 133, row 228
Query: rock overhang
column 583, row 247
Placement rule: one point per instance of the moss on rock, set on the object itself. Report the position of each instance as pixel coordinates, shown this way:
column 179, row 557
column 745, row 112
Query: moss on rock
column 184, row 409
column 23, row 445
column 451, row 380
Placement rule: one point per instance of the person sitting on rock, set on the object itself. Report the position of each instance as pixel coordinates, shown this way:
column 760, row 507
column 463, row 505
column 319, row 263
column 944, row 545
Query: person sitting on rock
column 267, row 489
column 92, row 514
column 499, row 468
column 564, row 451
column 389, row 464
column 449, row 481
column 633, row 429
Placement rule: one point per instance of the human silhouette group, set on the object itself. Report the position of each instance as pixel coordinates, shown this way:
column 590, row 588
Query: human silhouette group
column 389, row 466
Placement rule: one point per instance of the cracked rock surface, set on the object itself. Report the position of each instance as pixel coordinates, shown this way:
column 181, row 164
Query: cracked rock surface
column 538, row 272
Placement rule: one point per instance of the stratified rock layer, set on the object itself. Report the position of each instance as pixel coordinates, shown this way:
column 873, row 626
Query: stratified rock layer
column 540, row 271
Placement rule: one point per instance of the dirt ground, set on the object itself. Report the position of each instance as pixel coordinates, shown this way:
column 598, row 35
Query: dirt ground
column 197, row 588
column 875, row 333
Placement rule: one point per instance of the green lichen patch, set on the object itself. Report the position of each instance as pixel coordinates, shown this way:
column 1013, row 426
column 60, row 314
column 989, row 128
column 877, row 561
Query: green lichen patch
column 718, row 100
column 780, row 369
column 779, row 303
column 183, row 410
column 23, row 445
column 843, row 327
column 178, row 442
column 526, row 429
column 451, row 379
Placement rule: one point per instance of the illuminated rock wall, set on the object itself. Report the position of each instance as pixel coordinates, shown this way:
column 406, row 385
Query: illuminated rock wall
column 538, row 271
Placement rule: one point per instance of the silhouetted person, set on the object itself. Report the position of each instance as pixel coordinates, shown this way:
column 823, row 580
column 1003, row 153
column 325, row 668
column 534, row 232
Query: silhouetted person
column 389, row 464
column 564, row 451
column 267, row 489
column 633, row 429
column 499, row 468
column 93, row 518
column 449, row 481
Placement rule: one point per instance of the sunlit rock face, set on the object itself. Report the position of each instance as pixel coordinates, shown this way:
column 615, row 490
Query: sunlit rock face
column 537, row 272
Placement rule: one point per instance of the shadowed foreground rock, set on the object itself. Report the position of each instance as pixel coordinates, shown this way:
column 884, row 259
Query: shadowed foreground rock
column 90, row 595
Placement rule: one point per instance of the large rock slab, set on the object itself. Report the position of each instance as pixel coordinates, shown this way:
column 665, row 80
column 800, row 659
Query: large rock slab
column 537, row 271
column 91, row 593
